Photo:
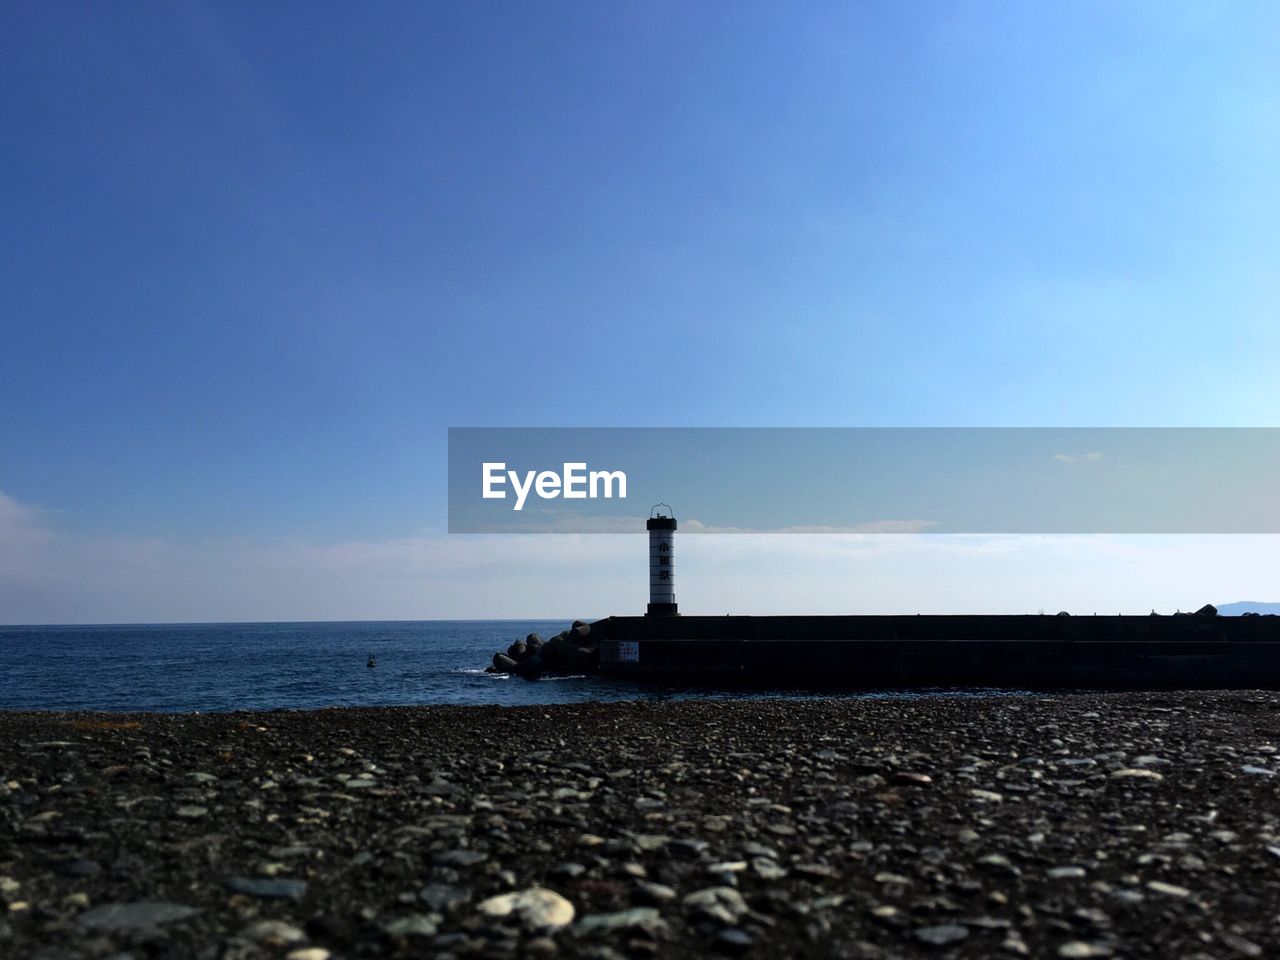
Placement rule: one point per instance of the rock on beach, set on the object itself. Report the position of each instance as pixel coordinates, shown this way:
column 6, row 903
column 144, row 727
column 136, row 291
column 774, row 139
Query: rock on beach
column 1080, row 825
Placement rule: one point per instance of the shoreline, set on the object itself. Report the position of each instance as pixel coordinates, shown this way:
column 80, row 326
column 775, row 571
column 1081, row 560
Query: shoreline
column 1084, row 824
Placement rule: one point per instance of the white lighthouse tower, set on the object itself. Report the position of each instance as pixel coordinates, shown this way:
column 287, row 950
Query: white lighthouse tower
column 662, row 561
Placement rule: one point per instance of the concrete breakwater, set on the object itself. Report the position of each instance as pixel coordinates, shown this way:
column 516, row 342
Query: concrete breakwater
column 575, row 650
column 1189, row 651
column 1200, row 650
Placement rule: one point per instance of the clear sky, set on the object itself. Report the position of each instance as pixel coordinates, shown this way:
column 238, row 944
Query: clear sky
column 256, row 258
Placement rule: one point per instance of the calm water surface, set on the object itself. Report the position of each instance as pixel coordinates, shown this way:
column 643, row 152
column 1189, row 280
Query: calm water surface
column 243, row 666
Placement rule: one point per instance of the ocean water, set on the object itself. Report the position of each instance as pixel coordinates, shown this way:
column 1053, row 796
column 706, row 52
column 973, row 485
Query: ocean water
column 266, row 666
column 263, row 666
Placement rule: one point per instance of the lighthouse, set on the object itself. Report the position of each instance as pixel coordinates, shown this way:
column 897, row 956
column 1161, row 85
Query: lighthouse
column 662, row 561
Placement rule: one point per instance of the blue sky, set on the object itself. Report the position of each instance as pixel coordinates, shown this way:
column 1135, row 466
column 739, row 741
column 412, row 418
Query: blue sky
column 256, row 258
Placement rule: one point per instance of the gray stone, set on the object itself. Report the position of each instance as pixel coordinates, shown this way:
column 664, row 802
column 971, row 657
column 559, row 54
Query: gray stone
column 1136, row 773
column 536, row 908
column 723, row 904
column 83, row 868
column 459, row 858
column 414, row 925
column 1066, row 873
column 637, row 918
column 132, row 917
column 942, row 934
column 687, row 849
column 276, row 933
column 268, row 888
column 1168, row 889
column 649, row 842
column 767, row 869
column 443, row 896
column 998, row 863
column 1083, row 950
column 649, row 892
column 733, row 941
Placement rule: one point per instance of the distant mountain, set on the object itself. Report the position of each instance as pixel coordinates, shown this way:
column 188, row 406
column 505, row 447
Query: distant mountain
column 1247, row 606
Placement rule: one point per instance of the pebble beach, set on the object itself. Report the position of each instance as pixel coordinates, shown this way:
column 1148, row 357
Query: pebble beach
column 1085, row 825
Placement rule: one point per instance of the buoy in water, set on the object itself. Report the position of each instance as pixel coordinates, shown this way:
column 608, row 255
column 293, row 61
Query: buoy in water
column 372, row 662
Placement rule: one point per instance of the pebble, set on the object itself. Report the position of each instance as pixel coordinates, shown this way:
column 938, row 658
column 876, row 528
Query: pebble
column 892, row 879
column 541, row 948
column 1127, row 897
column 268, row 888
column 536, row 908
column 442, row 896
column 1082, row 950
column 998, row 863
column 657, row 893
column 733, row 941
column 1066, row 873
column 942, row 934
column 785, row 853
column 816, row 871
column 638, row 918
column 1136, row 773
column 459, row 858
column 723, row 904
column 688, row 849
column 414, row 925
column 727, row 866
column 133, row 917
column 275, row 933
column 1240, row 945
column 767, row 869
column 191, row 812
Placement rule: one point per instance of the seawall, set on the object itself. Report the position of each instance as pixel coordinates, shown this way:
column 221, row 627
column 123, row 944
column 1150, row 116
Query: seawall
column 1192, row 651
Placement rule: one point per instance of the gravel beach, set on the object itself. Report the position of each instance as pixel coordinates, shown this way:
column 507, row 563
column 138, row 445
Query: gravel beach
column 1126, row 825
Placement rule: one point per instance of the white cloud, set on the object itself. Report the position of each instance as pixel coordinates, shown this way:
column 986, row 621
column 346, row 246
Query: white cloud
column 49, row 576
column 873, row 526
column 19, row 520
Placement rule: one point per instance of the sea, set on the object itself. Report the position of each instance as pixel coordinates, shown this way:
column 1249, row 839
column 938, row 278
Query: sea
column 210, row 667
column 264, row 666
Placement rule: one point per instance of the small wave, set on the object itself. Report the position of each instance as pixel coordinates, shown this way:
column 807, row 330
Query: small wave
column 472, row 672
